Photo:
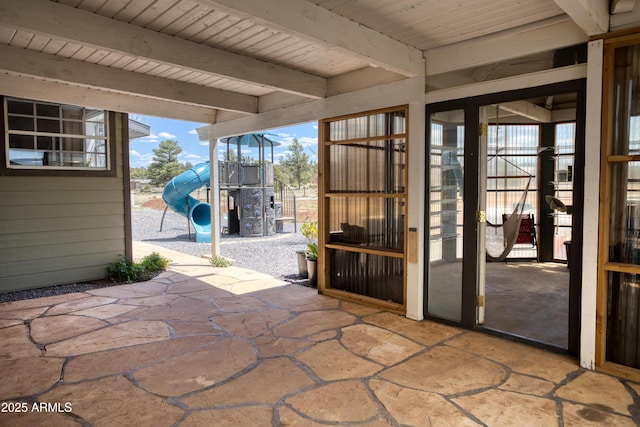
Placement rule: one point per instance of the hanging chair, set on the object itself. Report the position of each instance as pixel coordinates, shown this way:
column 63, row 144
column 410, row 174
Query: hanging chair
column 501, row 238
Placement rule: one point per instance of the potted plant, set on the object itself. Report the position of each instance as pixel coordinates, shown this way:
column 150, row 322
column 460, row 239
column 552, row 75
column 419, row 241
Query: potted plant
column 301, row 256
column 310, row 232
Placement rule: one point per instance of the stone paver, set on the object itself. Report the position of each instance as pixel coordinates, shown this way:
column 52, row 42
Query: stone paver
column 447, row 371
column 210, row 346
column 265, row 384
column 79, row 304
column 585, row 416
column 28, row 376
column 521, row 358
column 21, row 314
column 46, row 330
column 250, row 325
column 330, row 361
column 418, row 408
column 121, row 360
column 197, row 369
column 496, row 407
column 587, row 389
column 341, row 401
column 378, row 344
column 115, row 401
column 113, row 337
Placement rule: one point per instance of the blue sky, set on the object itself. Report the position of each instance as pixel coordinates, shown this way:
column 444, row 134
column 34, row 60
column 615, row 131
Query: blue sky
column 196, row 151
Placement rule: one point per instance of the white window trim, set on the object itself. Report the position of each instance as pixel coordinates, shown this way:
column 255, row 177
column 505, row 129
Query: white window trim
column 86, row 138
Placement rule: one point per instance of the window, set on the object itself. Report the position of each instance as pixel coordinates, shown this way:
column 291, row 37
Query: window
column 47, row 136
column 565, row 147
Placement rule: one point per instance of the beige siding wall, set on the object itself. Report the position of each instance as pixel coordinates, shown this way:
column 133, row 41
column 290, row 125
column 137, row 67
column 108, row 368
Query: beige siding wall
column 56, row 230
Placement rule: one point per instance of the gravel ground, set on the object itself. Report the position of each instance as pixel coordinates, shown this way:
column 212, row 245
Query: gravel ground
column 274, row 255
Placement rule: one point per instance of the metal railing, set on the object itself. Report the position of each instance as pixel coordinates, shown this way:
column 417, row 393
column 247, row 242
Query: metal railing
column 286, row 198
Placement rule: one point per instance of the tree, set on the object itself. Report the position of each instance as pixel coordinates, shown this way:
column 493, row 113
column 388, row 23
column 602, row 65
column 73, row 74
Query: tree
column 165, row 162
column 138, row 173
column 296, row 164
column 279, row 172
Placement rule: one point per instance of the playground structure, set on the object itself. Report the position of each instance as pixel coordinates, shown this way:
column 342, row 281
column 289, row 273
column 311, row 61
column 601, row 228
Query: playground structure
column 252, row 202
column 176, row 195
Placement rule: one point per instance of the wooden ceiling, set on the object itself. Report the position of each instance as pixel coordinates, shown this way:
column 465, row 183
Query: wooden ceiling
column 212, row 61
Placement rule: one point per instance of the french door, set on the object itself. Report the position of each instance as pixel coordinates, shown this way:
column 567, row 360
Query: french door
column 461, row 138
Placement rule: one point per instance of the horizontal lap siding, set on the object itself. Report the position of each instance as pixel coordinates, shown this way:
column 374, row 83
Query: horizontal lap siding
column 56, row 230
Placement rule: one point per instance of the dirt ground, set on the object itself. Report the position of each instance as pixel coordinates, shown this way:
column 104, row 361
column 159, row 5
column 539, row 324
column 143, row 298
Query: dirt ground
column 307, row 210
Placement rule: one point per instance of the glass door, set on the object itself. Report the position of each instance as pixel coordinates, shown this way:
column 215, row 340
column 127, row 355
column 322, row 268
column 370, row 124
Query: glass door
column 446, row 214
column 491, row 207
column 522, row 290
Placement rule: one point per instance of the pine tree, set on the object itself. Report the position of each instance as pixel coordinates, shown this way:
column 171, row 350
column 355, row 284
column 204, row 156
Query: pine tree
column 165, row 163
column 138, row 173
column 296, row 164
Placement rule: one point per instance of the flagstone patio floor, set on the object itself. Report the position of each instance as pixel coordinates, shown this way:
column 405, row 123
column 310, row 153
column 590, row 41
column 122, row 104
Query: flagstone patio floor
column 204, row 346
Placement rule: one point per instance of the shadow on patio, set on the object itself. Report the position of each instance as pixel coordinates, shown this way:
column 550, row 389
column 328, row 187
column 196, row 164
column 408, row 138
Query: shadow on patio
column 205, row 346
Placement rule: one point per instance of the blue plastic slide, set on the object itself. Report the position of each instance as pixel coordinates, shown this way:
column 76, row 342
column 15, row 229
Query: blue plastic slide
column 176, row 196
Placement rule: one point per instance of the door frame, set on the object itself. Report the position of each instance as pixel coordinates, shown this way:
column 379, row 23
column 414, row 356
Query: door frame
column 471, row 107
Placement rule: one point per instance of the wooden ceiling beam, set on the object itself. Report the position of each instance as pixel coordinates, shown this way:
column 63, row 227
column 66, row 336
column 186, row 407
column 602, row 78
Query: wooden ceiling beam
column 621, row 6
column 382, row 96
column 319, row 25
column 73, row 25
column 51, row 67
column 41, row 90
column 590, row 15
column 543, row 36
column 527, row 110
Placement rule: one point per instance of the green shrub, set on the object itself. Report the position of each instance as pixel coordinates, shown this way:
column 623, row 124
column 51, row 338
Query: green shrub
column 154, row 262
column 310, row 232
column 129, row 272
column 123, row 271
column 220, row 261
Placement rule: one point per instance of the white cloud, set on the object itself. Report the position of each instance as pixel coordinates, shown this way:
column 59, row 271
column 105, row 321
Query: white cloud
column 137, row 159
column 308, row 140
column 193, row 158
column 155, row 138
column 193, row 132
column 151, row 139
column 286, row 139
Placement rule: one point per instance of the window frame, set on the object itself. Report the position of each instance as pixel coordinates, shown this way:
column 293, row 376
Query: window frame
column 326, row 195
column 608, row 161
column 110, row 148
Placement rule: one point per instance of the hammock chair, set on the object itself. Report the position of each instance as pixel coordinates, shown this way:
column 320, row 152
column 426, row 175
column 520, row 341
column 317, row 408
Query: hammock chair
column 500, row 238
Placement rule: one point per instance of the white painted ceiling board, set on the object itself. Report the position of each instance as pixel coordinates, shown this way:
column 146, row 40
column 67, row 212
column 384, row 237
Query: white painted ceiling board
column 321, row 55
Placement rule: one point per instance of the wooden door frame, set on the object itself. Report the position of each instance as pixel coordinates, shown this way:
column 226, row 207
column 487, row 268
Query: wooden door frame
column 611, row 43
